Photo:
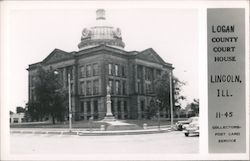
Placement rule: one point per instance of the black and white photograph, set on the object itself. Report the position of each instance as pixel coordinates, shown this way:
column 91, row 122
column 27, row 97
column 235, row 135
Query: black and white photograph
column 103, row 81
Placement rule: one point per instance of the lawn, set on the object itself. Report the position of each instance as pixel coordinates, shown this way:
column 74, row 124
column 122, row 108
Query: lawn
column 75, row 124
column 149, row 122
column 87, row 124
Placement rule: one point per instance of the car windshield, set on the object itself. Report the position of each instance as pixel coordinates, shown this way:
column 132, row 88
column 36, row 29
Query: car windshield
column 195, row 119
column 192, row 119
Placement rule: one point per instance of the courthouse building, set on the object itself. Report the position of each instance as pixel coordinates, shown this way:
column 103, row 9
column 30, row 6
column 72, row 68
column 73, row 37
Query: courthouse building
column 101, row 61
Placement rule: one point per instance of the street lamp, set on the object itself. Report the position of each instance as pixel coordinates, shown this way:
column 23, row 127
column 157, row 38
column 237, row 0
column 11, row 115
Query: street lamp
column 171, row 100
column 69, row 91
column 158, row 113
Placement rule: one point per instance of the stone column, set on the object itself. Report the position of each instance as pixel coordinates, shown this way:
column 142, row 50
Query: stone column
column 85, row 110
column 65, row 77
column 128, row 107
column 100, row 112
column 143, row 80
column 92, row 107
column 136, row 84
column 73, row 98
column 165, row 113
column 91, row 87
column 146, row 107
column 154, row 78
column 122, row 108
column 138, row 108
column 73, row 79
column 115, row 107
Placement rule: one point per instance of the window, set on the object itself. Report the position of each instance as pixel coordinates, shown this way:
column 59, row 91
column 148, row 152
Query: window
column 96, row 106
column 139, row 71
column 146, row 74
column 125, row 110
column 116, row 70
column 124, row 87
column 125, row 106
column 71, row 87
column 111, row 85
column 119, row 106
column 95, row 109
column 112, row 106
column 82, row 71
column 60, row 75
column 15, row 120
column 88, row 70
column 149, row 88
column 96, row 87
column 95, row 69
column 70, row 71
column 123, row 71
column 158, row 72
column 119, row 109
column 82, row 88
column 142, row 108
column 149, row 74
column 110, row 69
column 88, row 87
column 139, row 87
column 117, row 87
column 82, row 106
column 88, row 107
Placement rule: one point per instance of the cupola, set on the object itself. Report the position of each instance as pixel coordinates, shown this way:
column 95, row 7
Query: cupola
column 101, row 33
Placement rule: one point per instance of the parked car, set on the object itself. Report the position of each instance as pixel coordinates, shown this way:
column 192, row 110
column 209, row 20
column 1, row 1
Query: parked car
column 181, row 125
column 192, row 128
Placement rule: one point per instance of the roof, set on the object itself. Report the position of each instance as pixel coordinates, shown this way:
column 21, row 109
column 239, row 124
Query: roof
column 150, row 55
column 57, row 55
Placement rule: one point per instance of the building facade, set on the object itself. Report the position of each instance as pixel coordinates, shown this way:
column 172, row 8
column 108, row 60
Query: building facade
column 17, row 118
column 101, row 61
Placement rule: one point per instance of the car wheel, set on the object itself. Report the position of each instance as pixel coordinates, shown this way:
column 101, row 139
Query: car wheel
column 186, row 134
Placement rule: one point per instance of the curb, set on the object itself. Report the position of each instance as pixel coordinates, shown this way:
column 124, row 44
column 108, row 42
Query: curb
column 109, row 133
column 92, row 133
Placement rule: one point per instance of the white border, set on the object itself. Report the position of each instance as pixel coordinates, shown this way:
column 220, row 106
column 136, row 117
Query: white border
column 6, row 8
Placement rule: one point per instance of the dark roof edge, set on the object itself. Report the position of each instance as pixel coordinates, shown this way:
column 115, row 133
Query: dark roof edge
column 34, row 65
column 97, row 48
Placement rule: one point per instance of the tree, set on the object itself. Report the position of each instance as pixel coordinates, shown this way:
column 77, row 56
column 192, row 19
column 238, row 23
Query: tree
column 20, row 109
column 49, row 97
column 11, row 112
column 34, row 112
column 177, row 86
column 162, row 90
column 195, row 106
column 151, row 110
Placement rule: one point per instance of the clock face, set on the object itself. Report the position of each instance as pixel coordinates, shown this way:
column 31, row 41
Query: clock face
column 85, row 33
column 118, row 33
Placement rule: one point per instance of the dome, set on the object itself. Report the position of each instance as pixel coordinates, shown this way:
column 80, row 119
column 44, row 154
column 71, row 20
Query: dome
column 101, row 33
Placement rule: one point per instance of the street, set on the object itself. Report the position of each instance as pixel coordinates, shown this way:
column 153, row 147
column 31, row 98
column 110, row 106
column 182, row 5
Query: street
column 161, row 143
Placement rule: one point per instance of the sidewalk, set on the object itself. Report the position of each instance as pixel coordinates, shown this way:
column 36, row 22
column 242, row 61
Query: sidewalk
column 88, row 132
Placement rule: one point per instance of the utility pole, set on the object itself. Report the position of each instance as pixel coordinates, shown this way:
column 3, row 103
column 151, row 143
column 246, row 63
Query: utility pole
column 171, row 100
column 70, row 111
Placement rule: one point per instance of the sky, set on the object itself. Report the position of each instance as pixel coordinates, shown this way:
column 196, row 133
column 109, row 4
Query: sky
column 32, row 34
